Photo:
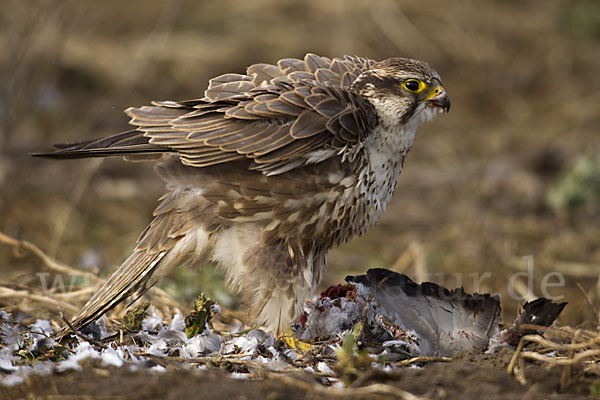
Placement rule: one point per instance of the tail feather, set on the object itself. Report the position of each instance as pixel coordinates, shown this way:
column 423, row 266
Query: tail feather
column 169, row 240
column 135, row 275
column 182, row 229
column 124, row 143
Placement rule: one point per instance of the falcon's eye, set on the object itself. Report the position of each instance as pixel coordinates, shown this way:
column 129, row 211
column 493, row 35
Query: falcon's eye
column 413, row 85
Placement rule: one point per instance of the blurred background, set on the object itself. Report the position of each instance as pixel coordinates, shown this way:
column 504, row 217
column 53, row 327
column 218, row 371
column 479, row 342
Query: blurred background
column 512, row 171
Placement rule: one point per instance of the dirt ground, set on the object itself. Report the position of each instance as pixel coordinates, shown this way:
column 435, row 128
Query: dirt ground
column 475, row 377
column 490, row 183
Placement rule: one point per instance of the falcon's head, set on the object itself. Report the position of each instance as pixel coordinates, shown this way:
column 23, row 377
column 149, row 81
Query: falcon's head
column 404, row 92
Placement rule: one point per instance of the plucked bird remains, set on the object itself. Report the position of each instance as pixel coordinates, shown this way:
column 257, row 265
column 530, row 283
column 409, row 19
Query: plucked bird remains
column 407, row 319
column 267, row 172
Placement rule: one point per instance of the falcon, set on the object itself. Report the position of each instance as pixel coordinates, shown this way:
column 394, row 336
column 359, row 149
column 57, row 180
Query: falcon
column 267, row 172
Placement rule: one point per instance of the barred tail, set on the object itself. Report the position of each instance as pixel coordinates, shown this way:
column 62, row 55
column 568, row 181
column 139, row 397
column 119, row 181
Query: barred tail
column 170, row 240
column 135, row 276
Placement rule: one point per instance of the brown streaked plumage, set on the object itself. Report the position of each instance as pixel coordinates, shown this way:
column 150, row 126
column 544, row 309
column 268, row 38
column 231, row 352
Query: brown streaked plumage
column 268, row 172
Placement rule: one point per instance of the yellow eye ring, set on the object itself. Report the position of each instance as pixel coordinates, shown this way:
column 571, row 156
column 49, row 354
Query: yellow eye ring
column 413, row 85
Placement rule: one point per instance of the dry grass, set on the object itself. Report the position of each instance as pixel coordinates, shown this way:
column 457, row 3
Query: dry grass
column 564, row 347
column 60, row 305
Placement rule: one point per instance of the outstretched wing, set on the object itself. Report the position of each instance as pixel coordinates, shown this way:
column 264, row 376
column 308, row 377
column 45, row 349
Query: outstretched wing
column 277, row 116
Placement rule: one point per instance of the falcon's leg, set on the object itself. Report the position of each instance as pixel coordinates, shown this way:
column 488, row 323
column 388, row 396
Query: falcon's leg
column 270, row 276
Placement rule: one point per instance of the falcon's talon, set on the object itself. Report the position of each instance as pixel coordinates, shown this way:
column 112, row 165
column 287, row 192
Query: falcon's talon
column 267, row 172
column 294, row 343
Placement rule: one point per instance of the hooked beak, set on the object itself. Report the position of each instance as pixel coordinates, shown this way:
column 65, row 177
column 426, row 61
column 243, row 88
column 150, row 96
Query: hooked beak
column 438, row 98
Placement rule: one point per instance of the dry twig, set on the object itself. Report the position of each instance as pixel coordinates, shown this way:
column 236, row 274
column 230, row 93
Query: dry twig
column 62, row 300
column 415, row 360
column 575, row 352
column 48, row 261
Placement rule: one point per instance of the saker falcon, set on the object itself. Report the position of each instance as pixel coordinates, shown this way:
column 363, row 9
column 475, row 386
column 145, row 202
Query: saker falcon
column 267, row 172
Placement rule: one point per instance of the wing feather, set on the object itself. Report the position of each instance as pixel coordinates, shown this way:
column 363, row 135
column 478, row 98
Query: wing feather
column 329, row 108
column 314, row 62
column 227, row 78
column 291, row 150
column 275, row 116
column 307, row 124
column 281, row 107
column 288, row 65
column 293, row 98
column 217, row 158
column 263, row 73
column 153, row 113
column 255, row 137
column 239, row 112
column 284, row 140
column 231, row 136
column 326, row 76
column 228, row 91
column 274, row 133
